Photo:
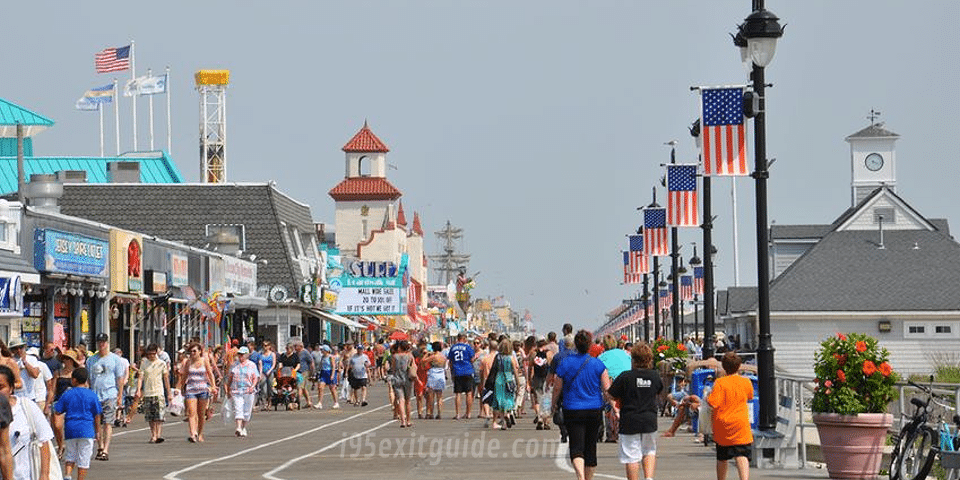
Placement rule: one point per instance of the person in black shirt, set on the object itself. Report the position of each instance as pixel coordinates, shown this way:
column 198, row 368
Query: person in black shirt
column 635, row 392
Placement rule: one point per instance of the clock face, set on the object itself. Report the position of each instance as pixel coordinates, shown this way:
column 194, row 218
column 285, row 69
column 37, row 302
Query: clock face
column 873, row 162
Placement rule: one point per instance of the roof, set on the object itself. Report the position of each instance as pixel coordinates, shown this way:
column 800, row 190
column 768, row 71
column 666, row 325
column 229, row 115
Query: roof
column 875, row 130
column 12, row 114
column 846, row 271
column 741, row 299
column 365, row 141
column 401, row 217
column 365, row 188
column 417, row 228
column 799, row 231
column 181, row 212
column 154, row 169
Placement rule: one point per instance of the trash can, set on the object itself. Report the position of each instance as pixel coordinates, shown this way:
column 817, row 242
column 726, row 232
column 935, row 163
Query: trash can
column 754, row 405
column 702, row 378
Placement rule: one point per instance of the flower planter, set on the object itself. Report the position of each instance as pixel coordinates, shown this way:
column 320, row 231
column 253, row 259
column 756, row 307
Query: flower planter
column 852, row 445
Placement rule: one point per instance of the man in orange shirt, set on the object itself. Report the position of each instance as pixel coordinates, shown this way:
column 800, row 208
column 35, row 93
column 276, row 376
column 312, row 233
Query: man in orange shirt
column 731, row 420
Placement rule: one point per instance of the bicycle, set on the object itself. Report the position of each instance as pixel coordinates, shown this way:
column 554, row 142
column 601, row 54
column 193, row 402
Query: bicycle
column 917, row 445
column 950, row 449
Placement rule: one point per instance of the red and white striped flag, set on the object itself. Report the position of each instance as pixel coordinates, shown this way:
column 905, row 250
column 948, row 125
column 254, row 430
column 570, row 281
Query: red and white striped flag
column 629, row 275
column 682, row 196
column 112, row 59
column 655, row 232
column 723, row 132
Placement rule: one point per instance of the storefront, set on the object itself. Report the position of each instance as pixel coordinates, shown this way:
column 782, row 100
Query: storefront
column 70, row 296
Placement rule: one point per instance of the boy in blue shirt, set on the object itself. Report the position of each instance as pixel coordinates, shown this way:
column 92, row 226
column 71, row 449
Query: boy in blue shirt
column 82, row 409
column 461, row 366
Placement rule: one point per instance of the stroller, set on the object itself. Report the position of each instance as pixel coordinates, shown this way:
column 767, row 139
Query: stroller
column 285, row 391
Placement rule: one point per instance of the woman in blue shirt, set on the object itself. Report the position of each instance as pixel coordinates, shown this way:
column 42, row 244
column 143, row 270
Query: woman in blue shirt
column 584, row 382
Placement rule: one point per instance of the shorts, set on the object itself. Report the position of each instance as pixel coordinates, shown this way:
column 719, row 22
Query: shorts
column 633, row 447
column 242, row 406
column 463, row 384
column 109, row 407
column 728, row 452
column 299, row 379
column 538, row 385
column 78, row 451
column 153, row 409
column 197, row 396
column 403, row 389
column 379, row 362
column 357, row 383
column 326, row 377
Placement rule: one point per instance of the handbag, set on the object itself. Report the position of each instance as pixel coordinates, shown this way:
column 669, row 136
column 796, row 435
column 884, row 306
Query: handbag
column 558, row 408
column 35, row 448
column 488, row 396
column 176, row 403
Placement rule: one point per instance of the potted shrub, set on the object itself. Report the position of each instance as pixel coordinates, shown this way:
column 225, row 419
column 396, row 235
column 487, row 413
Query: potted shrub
column 854, row 386
column 674, row 353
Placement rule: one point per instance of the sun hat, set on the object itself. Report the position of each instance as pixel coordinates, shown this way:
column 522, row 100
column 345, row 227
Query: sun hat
column 33, row 351
column 72, row 355
column 16, row 342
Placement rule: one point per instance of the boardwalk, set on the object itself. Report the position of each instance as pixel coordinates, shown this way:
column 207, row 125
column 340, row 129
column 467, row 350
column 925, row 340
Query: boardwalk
column 363, row 443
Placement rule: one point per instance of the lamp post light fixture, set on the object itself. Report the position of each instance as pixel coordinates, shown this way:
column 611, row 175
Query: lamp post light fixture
column 762, row 29
column 694, row 263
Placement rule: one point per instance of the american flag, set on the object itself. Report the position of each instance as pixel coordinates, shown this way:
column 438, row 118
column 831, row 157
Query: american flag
column 682, row 196
column 113, row 59
column 639, row 262
column 648, row 305
column 698, row 280
column 666, row 298
column 686, row 288
column 629, row 275
column 724, row 132
column 655, row 232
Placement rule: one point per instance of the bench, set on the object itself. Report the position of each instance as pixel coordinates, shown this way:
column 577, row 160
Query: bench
column 783, row 439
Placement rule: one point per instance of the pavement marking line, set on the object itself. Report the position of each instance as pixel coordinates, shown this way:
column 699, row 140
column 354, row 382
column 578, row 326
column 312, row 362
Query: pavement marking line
column 269, row 475
column 173, row 475
column 562, row 463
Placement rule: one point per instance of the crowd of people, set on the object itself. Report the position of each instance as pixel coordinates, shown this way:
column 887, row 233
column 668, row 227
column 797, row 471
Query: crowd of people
column 602, row 390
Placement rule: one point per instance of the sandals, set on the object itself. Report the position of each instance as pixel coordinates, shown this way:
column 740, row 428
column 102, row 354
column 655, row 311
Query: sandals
column 103, row 456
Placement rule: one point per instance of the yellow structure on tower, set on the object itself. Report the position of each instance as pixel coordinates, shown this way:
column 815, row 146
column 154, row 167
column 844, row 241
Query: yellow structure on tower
column 212, row 85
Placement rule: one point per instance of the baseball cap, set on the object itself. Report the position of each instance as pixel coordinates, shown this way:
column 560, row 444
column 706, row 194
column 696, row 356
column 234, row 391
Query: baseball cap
column 325, row 348
column 16, row 342
column 243, row 350
column 103, row 337
column 33, row 351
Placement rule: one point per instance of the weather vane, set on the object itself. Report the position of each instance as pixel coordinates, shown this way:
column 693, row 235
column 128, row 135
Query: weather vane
column 873, row 116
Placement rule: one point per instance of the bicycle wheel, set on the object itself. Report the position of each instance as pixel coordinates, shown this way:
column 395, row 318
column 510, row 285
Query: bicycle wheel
column 894, row 469
column 918, row 454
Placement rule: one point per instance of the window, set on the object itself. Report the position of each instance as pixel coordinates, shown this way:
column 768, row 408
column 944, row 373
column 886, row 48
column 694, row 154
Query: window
column 230, row 229
column 943, row 329
column 295, row 240
column 10, row 226
column 888, row 214
column 917, row 329
column 931, row 329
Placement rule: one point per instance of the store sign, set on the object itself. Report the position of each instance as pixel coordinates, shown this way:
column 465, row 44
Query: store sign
column 369, row 301
column 371, row 288
column 239, row 276
column 156, row 282
column 60, row 252
column 179, row 270
column 126, row 261
column 216, row 272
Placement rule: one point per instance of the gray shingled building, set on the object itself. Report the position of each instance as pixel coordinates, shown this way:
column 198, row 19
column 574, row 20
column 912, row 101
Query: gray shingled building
column 880, row 268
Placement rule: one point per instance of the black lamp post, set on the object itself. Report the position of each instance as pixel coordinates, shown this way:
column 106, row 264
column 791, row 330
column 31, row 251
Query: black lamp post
column 694, row 263
column 675, row 258
column 708, row 317
column 645, row 298
column 761, row 30
column 663, row 285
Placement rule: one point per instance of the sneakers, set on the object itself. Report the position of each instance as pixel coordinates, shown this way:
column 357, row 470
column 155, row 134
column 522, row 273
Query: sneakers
column 243, row 431
column 363, row 404
column 318, row 406
column 336, row 405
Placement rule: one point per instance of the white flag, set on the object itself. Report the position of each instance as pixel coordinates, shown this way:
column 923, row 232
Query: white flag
column 152, row 85
column 84, row 103
column 132, row 87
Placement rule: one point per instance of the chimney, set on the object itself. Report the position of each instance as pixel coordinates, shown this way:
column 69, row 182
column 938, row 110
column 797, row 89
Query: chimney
column 123, row 172
column 72, row 176
column 44, row 192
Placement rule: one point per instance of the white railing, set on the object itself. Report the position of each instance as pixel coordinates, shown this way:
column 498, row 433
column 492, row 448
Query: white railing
column 799, row 388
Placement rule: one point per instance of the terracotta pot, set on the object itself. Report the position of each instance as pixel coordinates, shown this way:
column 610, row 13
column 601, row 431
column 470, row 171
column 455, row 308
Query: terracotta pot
column 852, row 445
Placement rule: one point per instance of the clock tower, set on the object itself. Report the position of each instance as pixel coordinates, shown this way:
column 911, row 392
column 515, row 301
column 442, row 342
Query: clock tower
column 873, row 160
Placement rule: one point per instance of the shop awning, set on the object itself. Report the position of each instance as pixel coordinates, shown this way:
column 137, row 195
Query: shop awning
column 250, row 302
column 333, row 317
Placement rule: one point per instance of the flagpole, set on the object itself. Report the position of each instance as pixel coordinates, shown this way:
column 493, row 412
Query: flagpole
column 166, row 85
column 150, row 104
column 116, row 112
column 100, row 111
column 133, row 78
column 736, row 242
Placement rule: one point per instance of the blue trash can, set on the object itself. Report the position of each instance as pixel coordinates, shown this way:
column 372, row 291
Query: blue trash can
column 754, row 405
column 701, row 378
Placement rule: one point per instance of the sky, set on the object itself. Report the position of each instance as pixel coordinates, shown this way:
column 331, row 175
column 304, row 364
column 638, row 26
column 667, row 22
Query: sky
column 538, row 126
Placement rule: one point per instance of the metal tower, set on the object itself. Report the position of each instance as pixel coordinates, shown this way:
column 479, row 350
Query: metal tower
column 212, row 85
column 449, row 262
